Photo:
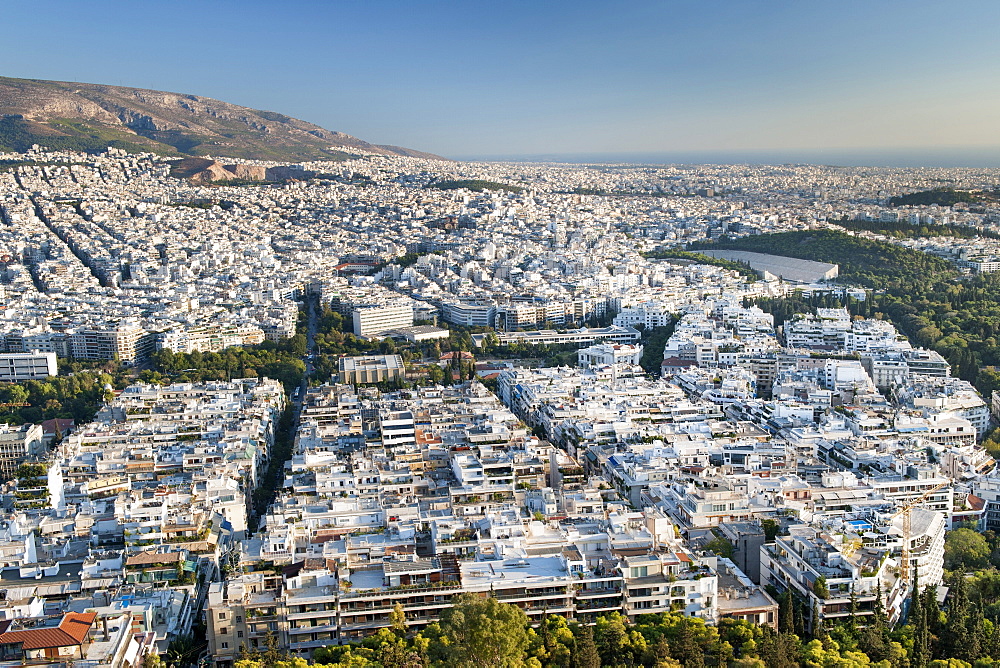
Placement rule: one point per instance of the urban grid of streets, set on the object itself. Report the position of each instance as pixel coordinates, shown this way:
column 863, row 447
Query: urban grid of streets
column 574, row 490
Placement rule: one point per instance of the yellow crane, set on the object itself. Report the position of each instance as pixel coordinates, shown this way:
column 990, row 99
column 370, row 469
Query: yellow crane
column 904, row 568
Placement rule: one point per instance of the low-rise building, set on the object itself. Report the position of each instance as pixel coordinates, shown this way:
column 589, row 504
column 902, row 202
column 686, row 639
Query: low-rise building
column 370, row 369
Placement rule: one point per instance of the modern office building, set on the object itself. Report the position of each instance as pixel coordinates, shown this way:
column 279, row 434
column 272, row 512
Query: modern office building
column 15, row 367
column 376, row 319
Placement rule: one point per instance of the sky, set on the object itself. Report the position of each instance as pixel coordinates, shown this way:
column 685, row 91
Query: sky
column 551, row 78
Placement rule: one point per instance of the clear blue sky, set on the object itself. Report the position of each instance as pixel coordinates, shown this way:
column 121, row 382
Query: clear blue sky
column 467, row 78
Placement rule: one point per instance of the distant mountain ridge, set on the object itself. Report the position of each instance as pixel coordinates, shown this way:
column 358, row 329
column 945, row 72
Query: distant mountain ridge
column 91, row 117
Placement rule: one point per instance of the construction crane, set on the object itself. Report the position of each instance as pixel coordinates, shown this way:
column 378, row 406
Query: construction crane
column 904, row 569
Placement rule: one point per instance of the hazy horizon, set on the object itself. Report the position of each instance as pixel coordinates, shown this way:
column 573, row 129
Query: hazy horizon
column 953, row 157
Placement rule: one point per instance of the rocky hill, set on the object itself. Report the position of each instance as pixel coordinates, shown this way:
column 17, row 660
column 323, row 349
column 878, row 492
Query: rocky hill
column 91, row 117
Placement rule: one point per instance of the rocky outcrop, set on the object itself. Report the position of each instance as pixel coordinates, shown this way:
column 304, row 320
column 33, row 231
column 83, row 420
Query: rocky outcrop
column 179, row 123
column 248, row 172
column 202, row 170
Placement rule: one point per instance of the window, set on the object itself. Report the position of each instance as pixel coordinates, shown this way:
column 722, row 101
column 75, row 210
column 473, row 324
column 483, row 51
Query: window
column 239, row 634
column 238, row 619
column 224, row 645
column 222, row 615
column 224, row 630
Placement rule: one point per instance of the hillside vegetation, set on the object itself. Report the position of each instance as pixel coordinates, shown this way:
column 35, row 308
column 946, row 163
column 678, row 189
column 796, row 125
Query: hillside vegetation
column 939, row 196
column 905, row 230
column 701, row 258
column 18, row 135
column 90, row 117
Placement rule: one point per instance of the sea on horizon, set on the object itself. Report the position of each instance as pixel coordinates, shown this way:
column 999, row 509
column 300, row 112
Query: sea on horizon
column 958, row 157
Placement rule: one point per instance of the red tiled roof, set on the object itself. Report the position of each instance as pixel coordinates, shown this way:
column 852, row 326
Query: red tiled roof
column 72, row 630
column 76, row 624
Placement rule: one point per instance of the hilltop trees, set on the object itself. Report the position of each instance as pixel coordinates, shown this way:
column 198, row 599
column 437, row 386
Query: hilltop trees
column 484, row 632
column 966, row 550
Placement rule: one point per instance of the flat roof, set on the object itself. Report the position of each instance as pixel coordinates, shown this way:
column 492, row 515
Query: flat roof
column 371, row 362
column 512, row 570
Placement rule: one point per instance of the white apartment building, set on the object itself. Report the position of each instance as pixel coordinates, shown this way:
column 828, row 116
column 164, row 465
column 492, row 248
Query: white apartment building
column 15, row 367
column 375, row 319
column 827, row 328
column 469, row 314
column 649, row 314
column 603, row 354
column 17, row 444
column 209, row 339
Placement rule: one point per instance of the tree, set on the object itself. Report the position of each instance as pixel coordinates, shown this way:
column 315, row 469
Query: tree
column 820, row 588
column 720, row 546
column 557, row 642
column 786, row 617
column 397, row 618
column 152, row 660
column 611, row 636
column 585, row 653
column 298, row 345
column 686, row 647
column 818, row 626
column 184, row 650
column 771, row 528
column 966, row 550
column 778, row 650
column 917, row 618
column 484, row 632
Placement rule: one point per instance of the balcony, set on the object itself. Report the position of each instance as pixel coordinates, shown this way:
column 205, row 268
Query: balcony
column 442, row 587
column 599, row 604
column 312, row 644
column 533, row 594
column 589, row 593
column 354, row 626
column 302, row 630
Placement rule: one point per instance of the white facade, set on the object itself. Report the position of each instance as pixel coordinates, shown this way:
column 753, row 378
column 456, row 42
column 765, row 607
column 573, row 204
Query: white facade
column 370, row 320
column 15, row 367
column 607, row 353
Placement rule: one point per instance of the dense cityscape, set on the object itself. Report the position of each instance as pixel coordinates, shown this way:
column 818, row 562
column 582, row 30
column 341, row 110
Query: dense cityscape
column 341, row 416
